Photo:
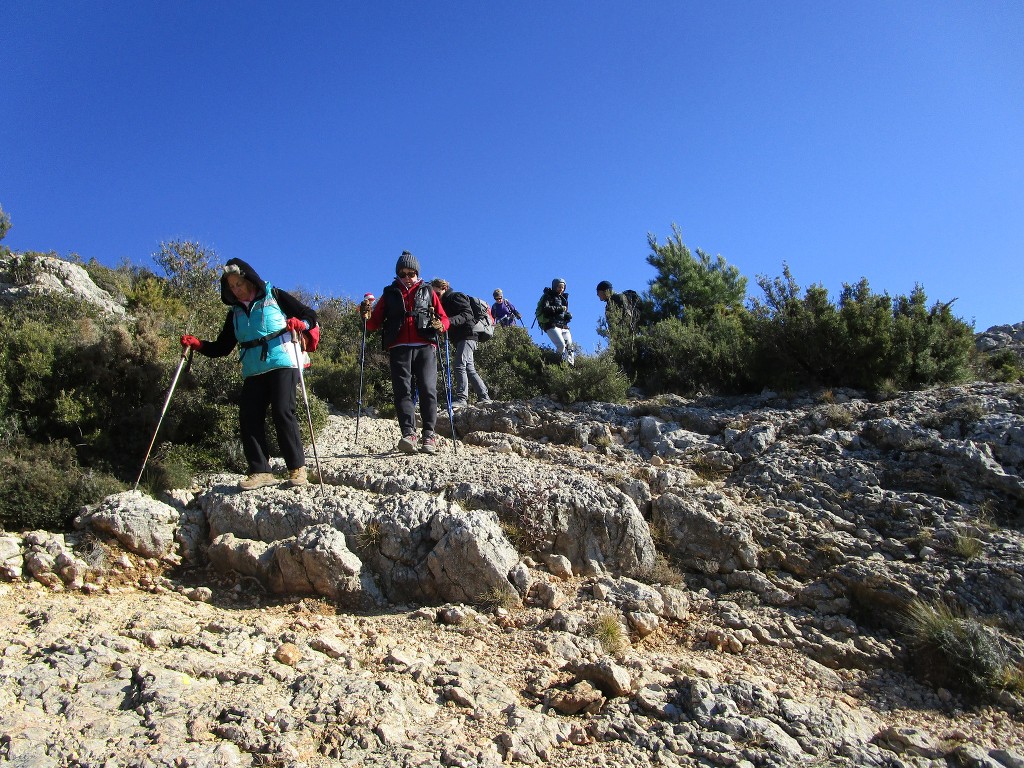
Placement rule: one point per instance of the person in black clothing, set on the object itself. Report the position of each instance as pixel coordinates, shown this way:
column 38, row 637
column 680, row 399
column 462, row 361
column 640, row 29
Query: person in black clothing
column 553, row 315
column 461, row 318
column 261, row 320
column 617, row 310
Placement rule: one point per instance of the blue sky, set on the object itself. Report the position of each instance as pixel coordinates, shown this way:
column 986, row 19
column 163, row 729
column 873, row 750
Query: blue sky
column 506, row 144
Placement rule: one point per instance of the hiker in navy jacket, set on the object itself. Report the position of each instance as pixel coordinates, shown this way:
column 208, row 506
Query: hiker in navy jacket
column 461, row 319
column 410, row 316
column 260, row 320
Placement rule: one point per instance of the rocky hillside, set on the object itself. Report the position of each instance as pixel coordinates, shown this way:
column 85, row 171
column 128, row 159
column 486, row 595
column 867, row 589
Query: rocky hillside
column 673, row 582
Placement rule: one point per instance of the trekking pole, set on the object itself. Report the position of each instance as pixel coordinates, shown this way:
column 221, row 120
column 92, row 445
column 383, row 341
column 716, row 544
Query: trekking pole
column 297, row 346
column 362, row 363
column 185, row 354
column 446, row 373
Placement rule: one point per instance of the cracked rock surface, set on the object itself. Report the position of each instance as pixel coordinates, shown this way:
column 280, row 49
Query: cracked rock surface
column 711, row 582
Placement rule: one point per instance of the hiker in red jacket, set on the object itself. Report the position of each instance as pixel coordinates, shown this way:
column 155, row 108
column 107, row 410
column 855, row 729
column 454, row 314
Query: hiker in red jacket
column 410, row 316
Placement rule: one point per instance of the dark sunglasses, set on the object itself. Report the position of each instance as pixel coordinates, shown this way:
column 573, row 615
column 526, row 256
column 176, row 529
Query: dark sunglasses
column 407, row 273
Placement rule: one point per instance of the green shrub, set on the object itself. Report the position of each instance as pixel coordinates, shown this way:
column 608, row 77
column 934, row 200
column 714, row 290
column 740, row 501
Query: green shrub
column 511, row 365
column 685, row 357
column 43, row 486
column 114, row 281
column 334, row 376
column 337, row 380
column 693, row 287
column 868, row 341
column 1005, row 365
column 593, row 378
column 25, row 268
column 800, row 341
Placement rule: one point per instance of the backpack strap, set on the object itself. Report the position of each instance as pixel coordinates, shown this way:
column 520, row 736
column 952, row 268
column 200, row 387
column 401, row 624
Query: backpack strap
column 263, row 342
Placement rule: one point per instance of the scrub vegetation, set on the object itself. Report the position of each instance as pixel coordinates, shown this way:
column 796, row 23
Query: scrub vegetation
column 81, row 391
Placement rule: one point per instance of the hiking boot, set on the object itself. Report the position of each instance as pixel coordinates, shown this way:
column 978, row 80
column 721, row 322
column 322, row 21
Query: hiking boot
column 297, row 477
column 257, row 480
column 429, row 444
column 407, row 444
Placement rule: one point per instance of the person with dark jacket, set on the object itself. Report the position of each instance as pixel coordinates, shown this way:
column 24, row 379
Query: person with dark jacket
column 410, row 316
column 503, row 310
column 553, row 315
column 618, row 311
column 461, row 319
column 261, row 320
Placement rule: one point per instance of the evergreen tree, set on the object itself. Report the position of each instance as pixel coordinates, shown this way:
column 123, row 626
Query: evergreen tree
column 692, row 287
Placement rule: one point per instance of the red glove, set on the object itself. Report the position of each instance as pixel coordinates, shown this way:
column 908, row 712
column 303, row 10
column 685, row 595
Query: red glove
column 294, row 324
column 191, row 341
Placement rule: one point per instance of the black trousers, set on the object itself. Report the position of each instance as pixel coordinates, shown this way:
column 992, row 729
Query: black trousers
column 275, row 389
column 420, row 362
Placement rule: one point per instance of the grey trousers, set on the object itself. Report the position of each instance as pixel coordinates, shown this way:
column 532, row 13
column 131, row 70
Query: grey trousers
column 464, row 372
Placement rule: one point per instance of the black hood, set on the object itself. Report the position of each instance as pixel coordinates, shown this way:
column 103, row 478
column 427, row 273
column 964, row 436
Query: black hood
column 248, row 273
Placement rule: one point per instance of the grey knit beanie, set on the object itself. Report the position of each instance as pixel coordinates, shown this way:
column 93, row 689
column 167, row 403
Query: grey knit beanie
column 407, row 261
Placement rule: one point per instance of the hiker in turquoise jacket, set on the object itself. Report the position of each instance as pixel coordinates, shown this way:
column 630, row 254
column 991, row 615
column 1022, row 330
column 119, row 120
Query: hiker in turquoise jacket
column 260, row 321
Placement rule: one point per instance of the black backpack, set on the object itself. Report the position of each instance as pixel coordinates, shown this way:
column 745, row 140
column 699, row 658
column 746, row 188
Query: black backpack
column 483, row 320
column 632, row 301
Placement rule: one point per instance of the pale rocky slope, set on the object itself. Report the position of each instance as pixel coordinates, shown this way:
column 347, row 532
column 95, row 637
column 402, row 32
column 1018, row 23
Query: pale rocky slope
column 448, row 610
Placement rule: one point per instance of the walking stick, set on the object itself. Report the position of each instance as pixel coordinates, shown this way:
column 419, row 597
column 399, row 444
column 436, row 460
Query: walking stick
column 297, row 346
column 447, row 373
column 362, row 363
column 185, row 354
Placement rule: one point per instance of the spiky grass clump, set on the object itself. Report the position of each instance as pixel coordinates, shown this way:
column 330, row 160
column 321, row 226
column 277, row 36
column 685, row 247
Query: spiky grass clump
column 610, row 633
column 954, row 650
column 968, row 547
column 494, row 598
column 370, row 537
column 662, row 572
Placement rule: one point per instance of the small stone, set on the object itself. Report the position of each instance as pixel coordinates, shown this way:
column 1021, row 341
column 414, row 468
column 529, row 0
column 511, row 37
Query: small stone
column 581, row 697
column 643, row 623
column 288, row 653
column 559, row 565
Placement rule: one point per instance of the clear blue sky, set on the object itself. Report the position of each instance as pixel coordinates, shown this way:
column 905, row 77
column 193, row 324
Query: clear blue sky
column 507, row 143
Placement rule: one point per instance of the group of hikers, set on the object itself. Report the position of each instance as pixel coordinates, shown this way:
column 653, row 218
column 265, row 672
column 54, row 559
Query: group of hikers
column 269, row 324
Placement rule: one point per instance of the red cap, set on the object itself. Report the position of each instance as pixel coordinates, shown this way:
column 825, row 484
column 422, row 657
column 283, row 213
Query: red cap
column 367, row 295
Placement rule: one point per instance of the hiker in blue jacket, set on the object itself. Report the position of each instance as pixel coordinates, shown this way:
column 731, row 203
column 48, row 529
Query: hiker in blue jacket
column 461, row 318
column 503, row 310
column 260, row 320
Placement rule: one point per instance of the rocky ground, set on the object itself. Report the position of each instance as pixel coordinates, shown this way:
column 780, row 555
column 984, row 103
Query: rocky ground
column 711, row 582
